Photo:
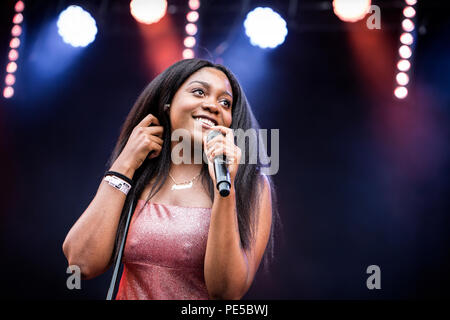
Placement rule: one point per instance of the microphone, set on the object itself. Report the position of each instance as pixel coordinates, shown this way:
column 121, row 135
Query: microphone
column 220, row 169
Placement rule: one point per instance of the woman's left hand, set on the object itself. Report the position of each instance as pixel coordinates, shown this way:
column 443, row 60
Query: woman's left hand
column 223, row 145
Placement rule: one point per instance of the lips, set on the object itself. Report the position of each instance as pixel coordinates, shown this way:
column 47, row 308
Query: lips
column 206, row 120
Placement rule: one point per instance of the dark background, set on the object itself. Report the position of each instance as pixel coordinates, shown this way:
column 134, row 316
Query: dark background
column 363, row 177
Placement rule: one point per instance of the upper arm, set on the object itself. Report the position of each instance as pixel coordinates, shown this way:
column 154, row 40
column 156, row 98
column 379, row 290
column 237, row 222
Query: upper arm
column 263, row 223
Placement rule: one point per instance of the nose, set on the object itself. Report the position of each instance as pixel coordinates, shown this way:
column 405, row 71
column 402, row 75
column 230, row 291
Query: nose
column 211, row 107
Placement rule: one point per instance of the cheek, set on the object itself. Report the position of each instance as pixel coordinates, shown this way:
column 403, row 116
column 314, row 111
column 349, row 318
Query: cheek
column 227, row 119
column 180, row 114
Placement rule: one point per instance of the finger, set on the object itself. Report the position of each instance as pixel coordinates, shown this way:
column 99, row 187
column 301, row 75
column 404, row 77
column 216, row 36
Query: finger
column 224, row 130
column 157, row 139
column 155, row 131
column 148, row 120
column 227, row 133
column 220, row 151
column 156, row 150
column 217, row 139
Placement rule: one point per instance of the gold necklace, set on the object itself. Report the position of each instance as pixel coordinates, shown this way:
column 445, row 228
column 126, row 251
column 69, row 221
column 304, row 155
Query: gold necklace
column 184, row 185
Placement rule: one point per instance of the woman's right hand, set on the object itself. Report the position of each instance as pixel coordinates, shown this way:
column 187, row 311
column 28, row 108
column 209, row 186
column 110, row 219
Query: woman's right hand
column 145, row 138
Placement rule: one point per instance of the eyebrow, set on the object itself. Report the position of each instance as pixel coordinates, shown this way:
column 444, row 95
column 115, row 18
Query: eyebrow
column 208, row 86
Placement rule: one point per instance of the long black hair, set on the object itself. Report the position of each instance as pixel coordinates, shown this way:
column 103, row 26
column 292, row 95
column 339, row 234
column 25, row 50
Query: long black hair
column 248, row 181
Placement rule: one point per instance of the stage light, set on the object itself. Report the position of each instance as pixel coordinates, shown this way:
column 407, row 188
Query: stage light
column 14, row 43
column 192, row 16
column 148, row 11
column 16, row 31
column 194, row 4
column 191, row 29
column 405, row 52
column 351, row 11
column 403, row 65
column 10, row 79
column 19, row 6
column 265, row 28
column 8, row 92
column 18, row 18
column 402, row 78
column 76, row 26
column 408, row 25
column 401, row 92
column 188, row 54
column 13, row 55
column 406, row 38
column 189, row 42
column 409, row 12
column 11, row 67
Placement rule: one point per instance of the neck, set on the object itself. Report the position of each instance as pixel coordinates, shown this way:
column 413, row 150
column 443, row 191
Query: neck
column 185, row 171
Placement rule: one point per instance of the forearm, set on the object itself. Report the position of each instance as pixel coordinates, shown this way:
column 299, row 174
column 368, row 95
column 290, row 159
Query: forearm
column 90, row 242
column 226, row 266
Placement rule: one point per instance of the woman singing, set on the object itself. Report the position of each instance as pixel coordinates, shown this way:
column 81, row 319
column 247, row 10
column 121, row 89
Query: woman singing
column 185, row 240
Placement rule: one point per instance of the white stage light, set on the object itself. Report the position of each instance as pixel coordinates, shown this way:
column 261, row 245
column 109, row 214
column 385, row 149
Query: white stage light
column 76, row 26
column 401, row 92
column 351, row 10
column 148, row 11
column 265, row 28
column 403, row 65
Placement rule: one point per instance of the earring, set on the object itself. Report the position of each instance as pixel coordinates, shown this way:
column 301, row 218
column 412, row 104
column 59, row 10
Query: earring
column 166, row 107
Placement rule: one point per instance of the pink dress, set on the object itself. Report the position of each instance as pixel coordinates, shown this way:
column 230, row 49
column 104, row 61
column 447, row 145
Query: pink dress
column 164, row 253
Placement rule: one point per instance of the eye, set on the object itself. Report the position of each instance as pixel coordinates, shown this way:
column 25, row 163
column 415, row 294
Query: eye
column 227, row 103
column 198, row 92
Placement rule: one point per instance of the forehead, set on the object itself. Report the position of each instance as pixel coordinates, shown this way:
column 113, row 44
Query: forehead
column 214, row 77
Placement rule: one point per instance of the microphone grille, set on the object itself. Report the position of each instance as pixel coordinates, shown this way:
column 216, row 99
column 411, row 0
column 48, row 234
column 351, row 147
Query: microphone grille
column 212, row 134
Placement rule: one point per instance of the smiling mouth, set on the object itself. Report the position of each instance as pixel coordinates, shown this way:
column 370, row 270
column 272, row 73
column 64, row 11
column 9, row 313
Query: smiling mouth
column 206, row 122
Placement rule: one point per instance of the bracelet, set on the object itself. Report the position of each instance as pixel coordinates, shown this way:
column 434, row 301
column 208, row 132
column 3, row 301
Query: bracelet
column 118, row 183
column 119, row 175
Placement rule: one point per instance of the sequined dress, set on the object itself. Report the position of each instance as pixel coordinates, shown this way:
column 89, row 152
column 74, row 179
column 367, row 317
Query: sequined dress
column 164, row 253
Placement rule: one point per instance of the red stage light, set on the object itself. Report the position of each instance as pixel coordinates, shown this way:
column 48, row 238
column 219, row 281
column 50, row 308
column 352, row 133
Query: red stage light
column 405, row 52
column 16, row 31
column 189, row 42
column 409, row 12
column 401, row 92
column 18, row 18
column 11, row 67
column 406, row 38
column 402, row 78
column 188, row 54
column 191, row 29
column 403, row 65
column 10, row 79
column 192, row 16
column 13, row 55
column 408, row 25
column 8, row 92
column 14, row 43
column 19, row 6
column 194, row 4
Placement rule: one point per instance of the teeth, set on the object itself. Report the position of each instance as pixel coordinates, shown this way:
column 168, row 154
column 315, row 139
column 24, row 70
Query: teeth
column 207, row 121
